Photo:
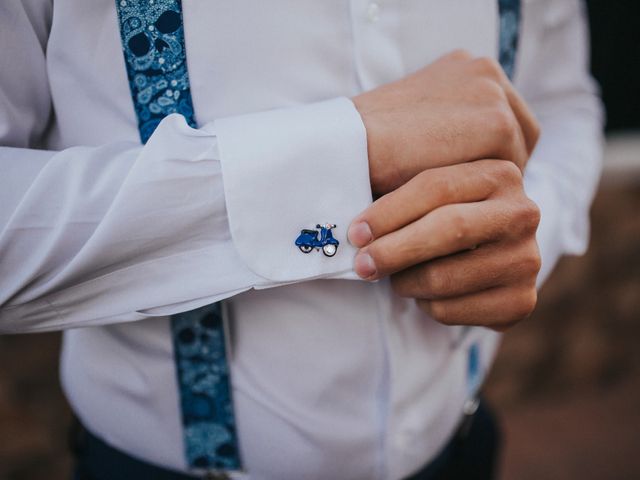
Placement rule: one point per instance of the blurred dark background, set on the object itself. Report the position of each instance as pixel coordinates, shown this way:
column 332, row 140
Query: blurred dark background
column 566, row 382
column 615, row 59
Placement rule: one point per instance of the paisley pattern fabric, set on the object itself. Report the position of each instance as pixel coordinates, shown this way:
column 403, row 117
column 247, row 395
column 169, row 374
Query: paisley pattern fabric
column 153, row 44
column 205, row 392
column 509, row 34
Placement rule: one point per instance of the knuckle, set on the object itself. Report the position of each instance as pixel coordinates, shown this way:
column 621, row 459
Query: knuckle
column 433, row 282
column 503, row 123
column 459, row 54
column 528, row 216
column 518, row 153
column 532, row 263
column 490, row 172
column 526, row 304
column 491, row 91
column 533, row 213
column 489, row 67
column 506, row 172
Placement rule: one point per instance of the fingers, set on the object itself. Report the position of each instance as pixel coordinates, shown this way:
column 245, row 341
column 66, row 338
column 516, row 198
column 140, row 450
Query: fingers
column 470, row 263
column 445, row 230
column 488, row 266
column 463, row 183
column 497, row 308
column 396, row 240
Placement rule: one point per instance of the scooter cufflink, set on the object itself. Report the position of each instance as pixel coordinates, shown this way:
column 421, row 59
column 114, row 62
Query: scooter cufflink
column 308, row 240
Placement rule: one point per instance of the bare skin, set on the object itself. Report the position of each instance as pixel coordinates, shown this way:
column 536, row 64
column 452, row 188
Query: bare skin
column 454, row 231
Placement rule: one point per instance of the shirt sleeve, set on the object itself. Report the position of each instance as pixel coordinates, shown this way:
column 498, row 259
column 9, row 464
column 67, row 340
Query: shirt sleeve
column 118, row 232
column 564, row 170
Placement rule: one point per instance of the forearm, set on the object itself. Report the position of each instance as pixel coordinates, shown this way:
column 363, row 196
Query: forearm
column 115, row 233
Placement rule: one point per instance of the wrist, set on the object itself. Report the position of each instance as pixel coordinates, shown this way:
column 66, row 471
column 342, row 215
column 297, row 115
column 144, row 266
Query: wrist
column 378, row 150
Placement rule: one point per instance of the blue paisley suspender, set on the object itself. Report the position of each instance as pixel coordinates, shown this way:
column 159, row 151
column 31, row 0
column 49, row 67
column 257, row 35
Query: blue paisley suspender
column 156, row 60
column 509, row 34
column 153, row 44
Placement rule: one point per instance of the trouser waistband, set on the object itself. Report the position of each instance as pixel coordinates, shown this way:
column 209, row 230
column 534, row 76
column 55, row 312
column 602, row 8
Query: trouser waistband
column 469, row 455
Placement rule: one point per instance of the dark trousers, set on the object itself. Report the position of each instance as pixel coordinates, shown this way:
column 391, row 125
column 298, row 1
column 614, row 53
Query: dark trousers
column 470, row 455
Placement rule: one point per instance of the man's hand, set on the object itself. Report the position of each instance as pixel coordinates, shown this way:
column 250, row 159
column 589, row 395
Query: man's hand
column 460, row 239
column 458, row 109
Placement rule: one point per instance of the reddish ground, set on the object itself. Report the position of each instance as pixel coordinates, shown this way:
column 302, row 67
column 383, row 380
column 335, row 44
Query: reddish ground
column 566, row 382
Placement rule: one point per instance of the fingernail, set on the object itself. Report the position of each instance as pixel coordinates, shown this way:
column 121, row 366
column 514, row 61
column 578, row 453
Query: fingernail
column 364, row 265
column 359, row 234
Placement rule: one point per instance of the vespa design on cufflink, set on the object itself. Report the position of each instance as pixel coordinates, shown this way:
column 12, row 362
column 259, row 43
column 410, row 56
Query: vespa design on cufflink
column 308, row 240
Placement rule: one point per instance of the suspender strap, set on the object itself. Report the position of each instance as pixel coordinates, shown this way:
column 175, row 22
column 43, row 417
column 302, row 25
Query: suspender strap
column 510, row 16
column 211, row 441
column 153, row 45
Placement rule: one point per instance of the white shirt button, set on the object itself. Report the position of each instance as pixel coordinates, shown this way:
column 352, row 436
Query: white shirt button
column 373, row 12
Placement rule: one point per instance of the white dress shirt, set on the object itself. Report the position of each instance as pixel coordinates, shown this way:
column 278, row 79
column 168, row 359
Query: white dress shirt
column 332, row 377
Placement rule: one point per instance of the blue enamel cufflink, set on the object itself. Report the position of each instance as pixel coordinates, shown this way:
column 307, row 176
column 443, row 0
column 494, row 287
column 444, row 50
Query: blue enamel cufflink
column 308, row 240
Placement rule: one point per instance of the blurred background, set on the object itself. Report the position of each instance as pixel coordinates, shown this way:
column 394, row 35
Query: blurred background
column 566, row 382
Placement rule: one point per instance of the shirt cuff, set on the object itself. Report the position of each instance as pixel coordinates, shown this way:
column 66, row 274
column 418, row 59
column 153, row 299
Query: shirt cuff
column 289, row 170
